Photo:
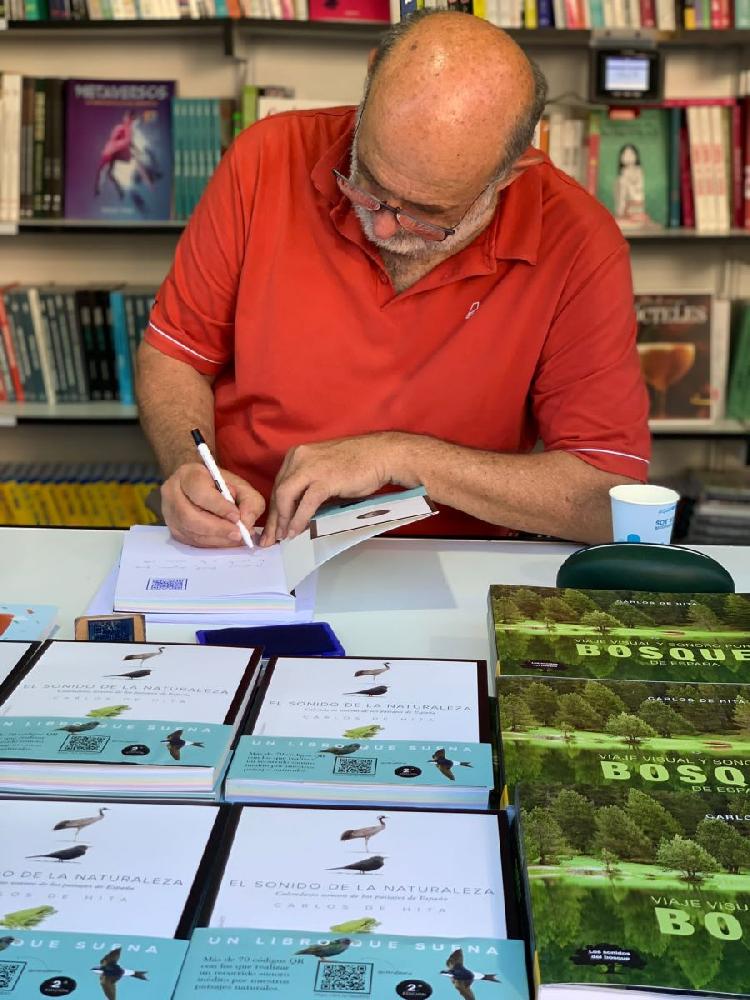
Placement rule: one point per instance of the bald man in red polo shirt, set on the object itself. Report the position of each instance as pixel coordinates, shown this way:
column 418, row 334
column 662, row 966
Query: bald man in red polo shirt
column 415, row 300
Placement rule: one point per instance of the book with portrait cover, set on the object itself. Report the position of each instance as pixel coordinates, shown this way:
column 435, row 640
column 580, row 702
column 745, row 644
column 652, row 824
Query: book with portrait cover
column 683, row 346
column 620, row 634
column 633, row 893
column 118, row 157
column 632, row 175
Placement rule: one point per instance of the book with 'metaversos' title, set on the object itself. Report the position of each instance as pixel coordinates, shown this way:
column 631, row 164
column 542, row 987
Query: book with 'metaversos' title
column 620, row 634
column 118, row 157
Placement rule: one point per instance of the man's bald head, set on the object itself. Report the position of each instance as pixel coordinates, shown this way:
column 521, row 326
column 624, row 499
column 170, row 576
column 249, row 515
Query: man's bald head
column 455, row 97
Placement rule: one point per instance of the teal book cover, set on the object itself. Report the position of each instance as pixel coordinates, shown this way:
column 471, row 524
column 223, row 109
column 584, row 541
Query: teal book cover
column 295, row 965
column 621, row 634
column 27, row 622
column 301, row 769
column 633, row 179
column 631, row 888
column 87, row 966
column 634, row 734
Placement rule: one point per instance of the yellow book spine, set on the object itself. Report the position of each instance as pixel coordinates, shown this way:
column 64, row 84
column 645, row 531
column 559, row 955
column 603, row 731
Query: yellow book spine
column 142, row 491
column 480, row 8
column 19, row 501
column 530, row 16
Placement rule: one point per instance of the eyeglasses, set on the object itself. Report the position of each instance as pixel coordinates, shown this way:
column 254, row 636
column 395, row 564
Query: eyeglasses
column 427, row 230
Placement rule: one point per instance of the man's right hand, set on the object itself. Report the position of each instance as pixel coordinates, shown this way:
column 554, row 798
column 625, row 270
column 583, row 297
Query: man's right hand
column 197, row 514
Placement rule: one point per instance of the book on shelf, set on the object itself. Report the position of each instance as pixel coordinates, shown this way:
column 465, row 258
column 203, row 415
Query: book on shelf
column 721, row 506
column 631, row 173
column 123, row 719
column 100, row 894
column 317, row 870
column 350, row 10
column 738, row 389
column 352, row 961
column 635, row 892
column 27, row 622
column 118, row 136
column 160, row 575
column 683, row 347
column 61, row 344
column 350, row 730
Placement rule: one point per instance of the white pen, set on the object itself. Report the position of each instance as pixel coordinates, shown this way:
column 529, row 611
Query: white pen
column 210, row 462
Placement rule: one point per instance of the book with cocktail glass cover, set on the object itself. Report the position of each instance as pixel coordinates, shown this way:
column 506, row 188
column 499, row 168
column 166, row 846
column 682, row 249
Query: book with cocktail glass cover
column 122, row 719
column 351, row 730
column 636, row 892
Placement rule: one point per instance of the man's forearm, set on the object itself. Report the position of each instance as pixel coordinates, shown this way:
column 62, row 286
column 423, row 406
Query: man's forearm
column 551, row 493
column 172, row 399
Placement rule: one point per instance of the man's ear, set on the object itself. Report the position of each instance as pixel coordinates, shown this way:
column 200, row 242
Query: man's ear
column 531, row 158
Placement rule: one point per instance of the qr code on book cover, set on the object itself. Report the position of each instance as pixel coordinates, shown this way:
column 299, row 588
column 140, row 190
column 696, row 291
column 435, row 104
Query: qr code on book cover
column 355, row 765
column 354, row 978
column 167, row 583
column 83, row 743
column 10, row 973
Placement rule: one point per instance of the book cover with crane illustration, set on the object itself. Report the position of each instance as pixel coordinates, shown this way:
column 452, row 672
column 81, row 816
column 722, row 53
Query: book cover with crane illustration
column 102, row 867
column 296, row 965
column 92, row 708
column 413, row 731
column 390, row 873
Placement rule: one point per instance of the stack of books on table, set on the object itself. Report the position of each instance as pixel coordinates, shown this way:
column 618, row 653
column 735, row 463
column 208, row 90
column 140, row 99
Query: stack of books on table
column 135, row 720
column 625, row 719
column 398, row 731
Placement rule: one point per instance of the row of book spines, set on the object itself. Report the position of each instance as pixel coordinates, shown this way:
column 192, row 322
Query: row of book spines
column 79, row 497
column 150, row 10
column 666, row 15
column 32, row 116
column 709, row 154
column 202, row 130
column 70, row 345
column 738, row 390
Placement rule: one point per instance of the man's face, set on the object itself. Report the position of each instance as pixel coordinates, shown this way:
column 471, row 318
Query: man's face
column 382, row 229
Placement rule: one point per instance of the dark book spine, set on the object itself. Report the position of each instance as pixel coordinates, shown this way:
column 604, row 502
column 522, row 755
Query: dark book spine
column 27, row 148
column 48, row 154
column 104, row 361
column 66, row 348
column 109, row 342
column 58, row 148
column 77, row 352
column 85, row 322
column 34, row 388
column 40, row 98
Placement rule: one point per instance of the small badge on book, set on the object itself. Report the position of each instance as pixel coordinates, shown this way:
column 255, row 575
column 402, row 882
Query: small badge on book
column 111, row 628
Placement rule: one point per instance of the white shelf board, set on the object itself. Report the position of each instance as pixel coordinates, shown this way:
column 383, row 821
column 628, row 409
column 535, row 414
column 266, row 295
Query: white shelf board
column 14, row 413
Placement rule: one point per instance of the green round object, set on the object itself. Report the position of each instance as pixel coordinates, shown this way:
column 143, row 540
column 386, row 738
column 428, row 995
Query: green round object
column 638, row 566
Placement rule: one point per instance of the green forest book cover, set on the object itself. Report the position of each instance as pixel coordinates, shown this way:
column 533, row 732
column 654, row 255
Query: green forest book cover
column 620, row 634
column 633, row 888
column 636, row 734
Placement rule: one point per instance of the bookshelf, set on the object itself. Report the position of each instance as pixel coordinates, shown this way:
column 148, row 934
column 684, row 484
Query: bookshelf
column 326, row 60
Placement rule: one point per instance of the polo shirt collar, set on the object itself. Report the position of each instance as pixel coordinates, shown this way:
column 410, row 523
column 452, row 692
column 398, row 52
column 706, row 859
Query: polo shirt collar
column 515, row 231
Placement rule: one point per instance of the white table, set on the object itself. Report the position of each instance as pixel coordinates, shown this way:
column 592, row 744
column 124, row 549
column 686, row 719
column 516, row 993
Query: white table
column 386, row 597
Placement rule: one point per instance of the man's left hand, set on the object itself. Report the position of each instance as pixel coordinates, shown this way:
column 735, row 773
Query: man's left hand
column 313, row 473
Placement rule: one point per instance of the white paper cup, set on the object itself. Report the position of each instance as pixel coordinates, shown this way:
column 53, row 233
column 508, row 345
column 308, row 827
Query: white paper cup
column 643, row 513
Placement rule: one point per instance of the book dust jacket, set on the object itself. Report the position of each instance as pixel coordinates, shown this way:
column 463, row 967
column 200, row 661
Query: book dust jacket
column 118, row 157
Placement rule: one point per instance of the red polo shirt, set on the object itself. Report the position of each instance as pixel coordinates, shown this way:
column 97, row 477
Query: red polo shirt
column 527, row 333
